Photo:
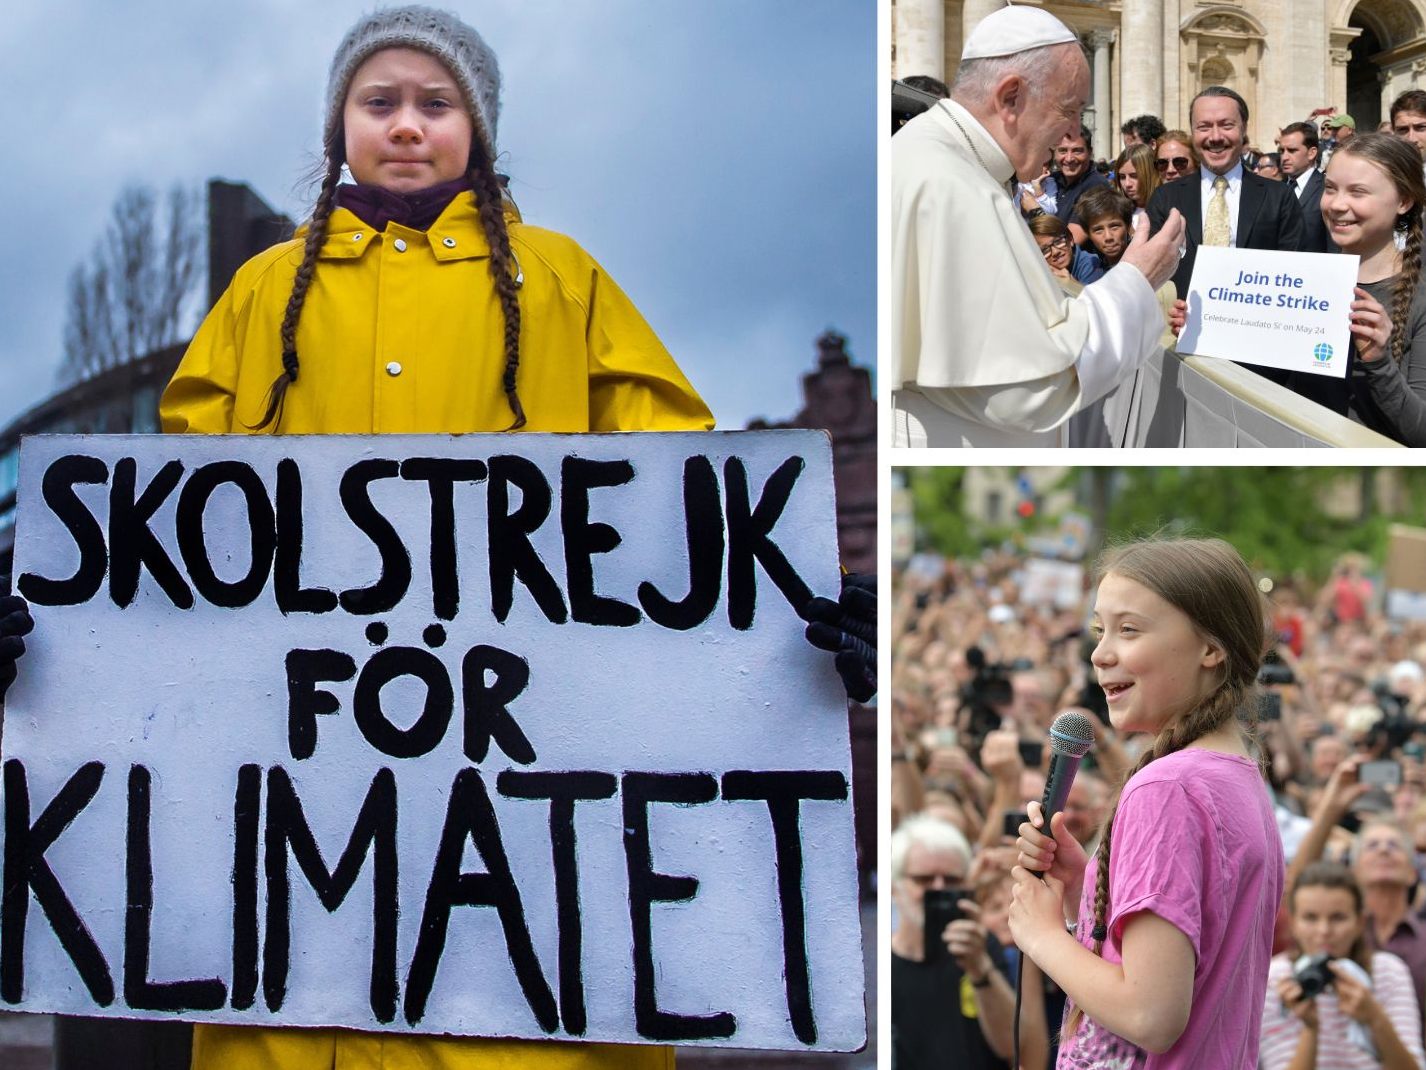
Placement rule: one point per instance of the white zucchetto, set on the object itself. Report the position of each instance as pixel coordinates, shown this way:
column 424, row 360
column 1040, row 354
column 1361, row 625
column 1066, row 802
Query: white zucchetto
column 1013, row 29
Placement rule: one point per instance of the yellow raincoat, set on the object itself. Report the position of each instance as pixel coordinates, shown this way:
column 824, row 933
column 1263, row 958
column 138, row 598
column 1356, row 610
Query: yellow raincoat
column 402, row 333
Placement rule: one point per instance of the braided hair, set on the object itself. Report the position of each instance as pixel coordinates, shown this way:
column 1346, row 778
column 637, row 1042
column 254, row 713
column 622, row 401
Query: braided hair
column 1401, row 162
column 504, row 270
column 1209, row 582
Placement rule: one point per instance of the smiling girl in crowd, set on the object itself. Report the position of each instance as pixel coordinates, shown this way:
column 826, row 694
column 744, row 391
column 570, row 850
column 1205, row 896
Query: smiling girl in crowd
column 1136, row 177
column 1169, row 961
column 1368, row 1016
column 417, row 301
column 1373, row 192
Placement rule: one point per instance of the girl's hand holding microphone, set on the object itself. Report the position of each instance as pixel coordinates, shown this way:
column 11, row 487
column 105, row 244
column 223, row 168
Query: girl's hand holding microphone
column 1059, row 856
column 1038, row 907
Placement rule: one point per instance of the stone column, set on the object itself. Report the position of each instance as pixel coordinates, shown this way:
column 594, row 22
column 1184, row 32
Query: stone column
column 1141, row 54
column 1105, row 143
column 920, row 29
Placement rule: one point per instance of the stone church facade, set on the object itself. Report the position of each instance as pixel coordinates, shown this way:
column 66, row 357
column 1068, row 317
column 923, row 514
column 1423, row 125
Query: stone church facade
column 1286, row 57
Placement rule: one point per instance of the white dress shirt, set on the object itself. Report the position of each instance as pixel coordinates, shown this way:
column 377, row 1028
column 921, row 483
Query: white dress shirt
column 1234, row 194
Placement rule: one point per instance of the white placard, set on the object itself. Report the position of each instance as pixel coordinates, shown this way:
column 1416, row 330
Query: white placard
column 1280, row 310
column 1052, row 583
column 511, row 735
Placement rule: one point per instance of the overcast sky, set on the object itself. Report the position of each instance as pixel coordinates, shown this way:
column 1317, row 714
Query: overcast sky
column 717, row 156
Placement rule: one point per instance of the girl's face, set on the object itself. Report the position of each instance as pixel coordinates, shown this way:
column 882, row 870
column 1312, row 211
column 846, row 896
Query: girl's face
column 1325, row 920
column 406, row 123
column 1129, row 181
column 1360, row 204
column 1109, row 236
column 1151, row 661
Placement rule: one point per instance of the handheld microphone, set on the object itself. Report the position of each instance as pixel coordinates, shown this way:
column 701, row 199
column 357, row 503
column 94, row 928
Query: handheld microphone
column 1071, row 736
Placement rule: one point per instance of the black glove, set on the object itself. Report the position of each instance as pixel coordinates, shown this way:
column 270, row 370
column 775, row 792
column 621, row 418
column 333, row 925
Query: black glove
column 15, row 621
column 848, row 628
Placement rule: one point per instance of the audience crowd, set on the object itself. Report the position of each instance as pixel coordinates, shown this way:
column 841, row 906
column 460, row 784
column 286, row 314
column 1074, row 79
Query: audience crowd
column 982, row 662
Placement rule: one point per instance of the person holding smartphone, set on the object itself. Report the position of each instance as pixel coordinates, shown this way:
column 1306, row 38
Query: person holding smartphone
column 952, row 1004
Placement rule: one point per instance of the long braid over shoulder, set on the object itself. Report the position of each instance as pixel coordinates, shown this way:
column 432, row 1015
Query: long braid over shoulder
column 504, row 271
column 316, row 235
column 1209, row 582
column 1406, row 285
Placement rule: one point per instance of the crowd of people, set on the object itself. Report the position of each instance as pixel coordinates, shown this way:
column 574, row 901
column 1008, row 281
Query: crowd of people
column 1321, row 187
column 983, row 661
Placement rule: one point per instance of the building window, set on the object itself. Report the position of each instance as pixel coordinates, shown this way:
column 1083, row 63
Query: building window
column 144, row 418
column 9, row 471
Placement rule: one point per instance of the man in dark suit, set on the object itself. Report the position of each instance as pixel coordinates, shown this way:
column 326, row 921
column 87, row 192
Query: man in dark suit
column 1224, row 203
column 1299, row 168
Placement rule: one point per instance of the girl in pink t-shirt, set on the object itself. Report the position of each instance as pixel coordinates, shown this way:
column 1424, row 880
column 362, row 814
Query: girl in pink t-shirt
column 1167, row 962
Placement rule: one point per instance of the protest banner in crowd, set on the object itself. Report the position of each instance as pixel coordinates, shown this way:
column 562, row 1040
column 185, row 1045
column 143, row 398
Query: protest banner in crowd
column 489, row 735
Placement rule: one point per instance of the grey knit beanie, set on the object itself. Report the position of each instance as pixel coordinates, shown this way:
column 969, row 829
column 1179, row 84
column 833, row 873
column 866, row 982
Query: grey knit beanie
column 441, row 34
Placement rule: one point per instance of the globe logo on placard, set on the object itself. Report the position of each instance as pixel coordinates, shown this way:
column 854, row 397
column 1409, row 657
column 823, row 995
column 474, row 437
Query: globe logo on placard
column 1323, row 352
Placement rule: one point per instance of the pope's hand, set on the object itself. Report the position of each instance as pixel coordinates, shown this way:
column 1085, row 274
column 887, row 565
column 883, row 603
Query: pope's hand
column 1156, row 257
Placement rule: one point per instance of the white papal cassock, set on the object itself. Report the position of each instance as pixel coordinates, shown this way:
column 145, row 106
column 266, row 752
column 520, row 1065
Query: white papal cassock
column 986, row 348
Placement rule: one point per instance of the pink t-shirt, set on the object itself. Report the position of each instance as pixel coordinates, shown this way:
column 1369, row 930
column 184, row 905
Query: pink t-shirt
column 1195, row 842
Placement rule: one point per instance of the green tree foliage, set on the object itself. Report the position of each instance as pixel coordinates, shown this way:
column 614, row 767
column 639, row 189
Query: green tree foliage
column 1283, row 520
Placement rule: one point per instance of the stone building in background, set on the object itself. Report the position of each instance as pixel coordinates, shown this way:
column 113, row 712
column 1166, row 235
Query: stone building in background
column 1286, row 57
column 124, row 399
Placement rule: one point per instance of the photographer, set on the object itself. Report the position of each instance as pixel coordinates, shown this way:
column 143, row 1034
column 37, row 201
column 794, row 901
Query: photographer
column 1339, row 1006
column 951, row 1002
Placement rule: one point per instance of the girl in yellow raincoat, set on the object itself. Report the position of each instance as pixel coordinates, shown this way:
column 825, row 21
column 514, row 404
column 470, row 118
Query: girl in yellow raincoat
column 416, row 301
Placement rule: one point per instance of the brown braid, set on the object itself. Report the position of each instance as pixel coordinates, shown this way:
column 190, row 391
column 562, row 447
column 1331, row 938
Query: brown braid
column 1207, row 580
column 316, row 234
column 1406, row 284
column 490, row 201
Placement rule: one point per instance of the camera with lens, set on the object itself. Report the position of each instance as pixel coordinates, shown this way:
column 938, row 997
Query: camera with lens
column 1395, row 727
column 1313, row 975
column 1390, row 703
column 1273, row 672
column 987, row 693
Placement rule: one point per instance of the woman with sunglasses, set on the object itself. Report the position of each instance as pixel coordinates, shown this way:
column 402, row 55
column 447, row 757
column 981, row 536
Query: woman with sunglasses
column 1175, row 156
column 1072, row 267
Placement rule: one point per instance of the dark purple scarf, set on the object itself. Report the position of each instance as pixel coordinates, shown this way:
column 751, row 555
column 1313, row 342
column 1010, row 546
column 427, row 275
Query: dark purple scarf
column 376, row 206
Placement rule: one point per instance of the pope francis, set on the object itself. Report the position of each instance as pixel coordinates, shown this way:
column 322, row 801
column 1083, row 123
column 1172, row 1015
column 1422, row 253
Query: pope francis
column 986, row 348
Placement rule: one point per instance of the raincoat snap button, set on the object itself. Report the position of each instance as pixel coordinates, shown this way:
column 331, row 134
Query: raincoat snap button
column 400, row 244
column 394, row 368
column 356, row 237
column 449, row 243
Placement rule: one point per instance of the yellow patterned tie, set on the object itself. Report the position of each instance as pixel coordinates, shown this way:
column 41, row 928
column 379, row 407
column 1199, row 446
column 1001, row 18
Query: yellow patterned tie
column 1215, row 227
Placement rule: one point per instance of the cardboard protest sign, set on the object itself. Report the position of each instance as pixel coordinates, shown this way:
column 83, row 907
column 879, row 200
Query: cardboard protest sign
column 1281, row 310
column 1406, row 572
column 507, row 735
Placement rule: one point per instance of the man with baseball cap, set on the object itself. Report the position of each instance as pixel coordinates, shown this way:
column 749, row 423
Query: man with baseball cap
column 986, row 349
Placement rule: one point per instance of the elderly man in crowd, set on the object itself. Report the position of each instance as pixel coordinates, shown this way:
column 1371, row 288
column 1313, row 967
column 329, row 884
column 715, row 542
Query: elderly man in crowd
column 953, row 1007
column 986, row 348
